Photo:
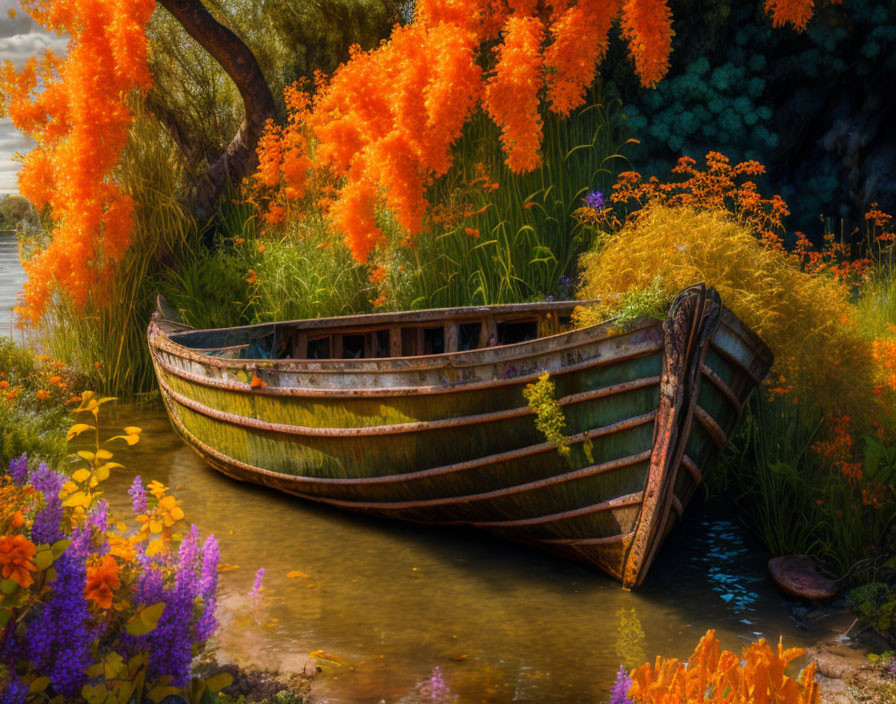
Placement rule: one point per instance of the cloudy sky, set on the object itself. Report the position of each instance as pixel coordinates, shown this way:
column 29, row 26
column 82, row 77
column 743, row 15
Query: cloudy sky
column 20, row 37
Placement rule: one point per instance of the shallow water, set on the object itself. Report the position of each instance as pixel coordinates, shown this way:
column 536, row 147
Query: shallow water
column 391, row 601
column 11, row 277
column 388, row 602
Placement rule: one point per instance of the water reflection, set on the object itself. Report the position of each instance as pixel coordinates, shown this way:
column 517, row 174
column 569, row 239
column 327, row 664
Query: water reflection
column 380, row 604
column 11, row 279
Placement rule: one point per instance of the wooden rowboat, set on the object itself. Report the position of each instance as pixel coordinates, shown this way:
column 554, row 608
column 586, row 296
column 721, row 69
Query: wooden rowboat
column 421, row 416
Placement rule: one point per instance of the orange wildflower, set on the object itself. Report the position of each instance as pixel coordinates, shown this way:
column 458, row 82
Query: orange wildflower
column 472, row 232
column 378, row 275
column 322, row 245
column 18, row 519
column 4, row 384
column 55, row 379
column 102, row 581
column 252, row 278
column 16, row 553
column 256, row 382
column 379, row 301
column 42, row 394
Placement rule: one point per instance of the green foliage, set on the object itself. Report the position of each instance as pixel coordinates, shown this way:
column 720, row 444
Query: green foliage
column 652, row 301
column 549, row 419
column 497, row 237
column 16, row 210
column 29, row 424
column 875, row 606
column 793, row 497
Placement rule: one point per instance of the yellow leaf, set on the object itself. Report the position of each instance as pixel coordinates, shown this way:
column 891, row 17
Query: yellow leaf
column 102, row 473
column 77, row 429
column 297, row 574
column 177, row 513
column 86, row 454
column 103, row 454
column 168, row 502
column 68, row 488
column 155, row 526
column 133, row 430
column 81, row 475
column 159, row 692
column 154, row 547
column 93, row 483
column 79, row 498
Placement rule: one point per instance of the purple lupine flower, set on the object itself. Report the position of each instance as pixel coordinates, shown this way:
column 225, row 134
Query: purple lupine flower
column 438, row 690
column 208, row 585
column 83, row 536
column 594, row 200
column 18, row 469
column 14, row 691
column 46, row 523
column 256, row 588
column 619, row 691
column 57, row 641
column 138, row 495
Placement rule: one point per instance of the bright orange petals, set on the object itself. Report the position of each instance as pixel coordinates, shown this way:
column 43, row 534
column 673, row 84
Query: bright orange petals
column 102, row 581
column 16, row 559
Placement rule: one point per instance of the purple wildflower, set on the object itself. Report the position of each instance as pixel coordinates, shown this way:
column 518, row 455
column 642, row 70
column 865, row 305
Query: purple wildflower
column 46, row 523
column 594, row 200
column 169, row 644
column 138, row 495
column 619, row 691
column 18, row 469
column 438, row 690
column 57, row 641
column 14, row 691
column 256, row 588
column 208, row 585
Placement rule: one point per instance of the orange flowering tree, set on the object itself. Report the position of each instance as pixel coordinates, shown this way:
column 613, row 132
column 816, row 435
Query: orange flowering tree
column 385, row 146
column 385, row 122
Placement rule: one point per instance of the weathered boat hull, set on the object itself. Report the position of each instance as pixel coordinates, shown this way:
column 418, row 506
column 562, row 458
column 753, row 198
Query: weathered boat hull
column 449, row 439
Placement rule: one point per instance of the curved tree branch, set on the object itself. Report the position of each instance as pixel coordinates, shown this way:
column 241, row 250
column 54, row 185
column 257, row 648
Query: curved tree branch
column 238, row 159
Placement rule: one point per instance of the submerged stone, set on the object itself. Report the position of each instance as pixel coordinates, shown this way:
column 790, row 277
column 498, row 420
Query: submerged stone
column 799, row 576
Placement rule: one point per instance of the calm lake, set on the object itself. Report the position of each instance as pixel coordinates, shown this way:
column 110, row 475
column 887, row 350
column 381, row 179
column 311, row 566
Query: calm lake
column 387, row 602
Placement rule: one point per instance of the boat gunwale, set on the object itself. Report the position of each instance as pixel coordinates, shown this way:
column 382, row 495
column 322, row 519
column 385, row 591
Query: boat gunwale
column 398, row 391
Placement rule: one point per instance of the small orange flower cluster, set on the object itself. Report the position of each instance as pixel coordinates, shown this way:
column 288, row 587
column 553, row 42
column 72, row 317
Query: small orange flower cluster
column 838, row 448
column 794, row 12
column 715, row 676
column 719, row 186
column 884, row 351
column 17, row 559
column 76, row 109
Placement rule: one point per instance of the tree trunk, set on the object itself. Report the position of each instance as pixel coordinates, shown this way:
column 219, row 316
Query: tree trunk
column 239, row 158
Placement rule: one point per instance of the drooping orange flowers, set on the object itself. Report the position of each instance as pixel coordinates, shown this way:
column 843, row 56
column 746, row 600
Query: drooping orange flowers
column 17, row 559
column 511, row 96
column 794, row 12
column 386, row 121
column 75, row 108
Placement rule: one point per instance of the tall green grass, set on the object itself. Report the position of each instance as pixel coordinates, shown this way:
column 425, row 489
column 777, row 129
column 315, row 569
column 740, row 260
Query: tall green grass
column 527, row 239
column 108, row 341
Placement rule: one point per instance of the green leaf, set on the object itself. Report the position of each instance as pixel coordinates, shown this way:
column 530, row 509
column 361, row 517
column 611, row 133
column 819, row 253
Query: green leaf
column 159, row 692
column 60, row 546
column 43, row 559
column 145, row 620
column 94, row 670
column 219, row 681
column 5, row 615
column 94, row 693
column 39, row 685
column 125, row 692
column 7, row 586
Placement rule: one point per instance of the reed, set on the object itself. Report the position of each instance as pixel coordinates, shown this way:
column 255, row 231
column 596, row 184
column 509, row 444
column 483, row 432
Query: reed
column 499, row 237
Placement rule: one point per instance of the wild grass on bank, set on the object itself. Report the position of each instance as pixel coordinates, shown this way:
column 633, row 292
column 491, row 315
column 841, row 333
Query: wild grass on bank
column 498, row 237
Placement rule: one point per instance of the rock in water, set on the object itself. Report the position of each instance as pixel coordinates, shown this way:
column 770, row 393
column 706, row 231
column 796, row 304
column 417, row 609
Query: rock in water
column 799, row 576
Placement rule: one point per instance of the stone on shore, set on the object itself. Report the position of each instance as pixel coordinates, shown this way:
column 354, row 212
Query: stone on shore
column 799, row 576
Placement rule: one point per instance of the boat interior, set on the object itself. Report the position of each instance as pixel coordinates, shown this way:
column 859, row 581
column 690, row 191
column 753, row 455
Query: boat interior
column 384, row 335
